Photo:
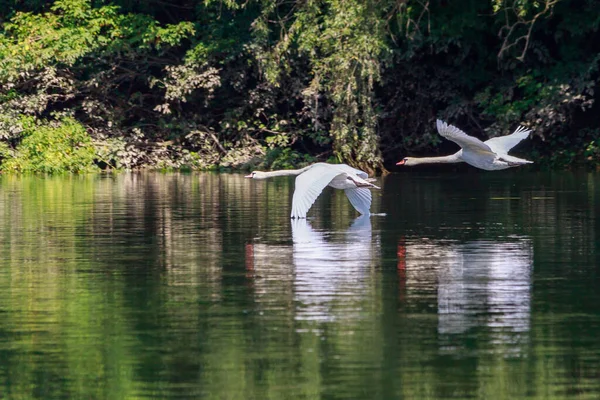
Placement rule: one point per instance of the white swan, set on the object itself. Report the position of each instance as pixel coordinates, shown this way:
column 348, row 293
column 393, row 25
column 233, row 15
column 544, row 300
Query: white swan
column 489, row 155
column 311, row 181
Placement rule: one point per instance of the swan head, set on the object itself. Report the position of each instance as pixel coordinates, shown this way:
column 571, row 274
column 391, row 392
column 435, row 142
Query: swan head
column 406, row 161
column 257, row 175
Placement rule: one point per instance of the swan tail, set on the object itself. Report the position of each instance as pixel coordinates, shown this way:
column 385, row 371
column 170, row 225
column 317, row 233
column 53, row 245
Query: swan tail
column 368, row 185
column 514, row 161
column 516, row 164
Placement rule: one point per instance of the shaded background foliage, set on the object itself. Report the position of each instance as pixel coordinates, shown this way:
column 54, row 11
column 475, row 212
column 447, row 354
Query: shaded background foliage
column 273, row 83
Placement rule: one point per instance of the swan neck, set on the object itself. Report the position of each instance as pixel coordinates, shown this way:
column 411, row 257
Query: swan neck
column 283, row 172
column 436, row 160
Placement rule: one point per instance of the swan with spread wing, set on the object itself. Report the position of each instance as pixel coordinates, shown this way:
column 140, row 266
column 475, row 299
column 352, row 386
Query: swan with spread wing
column 311, row 180
column 489, row 155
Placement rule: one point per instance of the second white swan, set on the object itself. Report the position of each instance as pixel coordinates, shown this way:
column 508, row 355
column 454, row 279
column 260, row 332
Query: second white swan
column 311, row 181
column 489, row 155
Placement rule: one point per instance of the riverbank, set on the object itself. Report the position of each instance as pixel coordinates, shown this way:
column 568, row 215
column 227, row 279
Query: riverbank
column 122, row 85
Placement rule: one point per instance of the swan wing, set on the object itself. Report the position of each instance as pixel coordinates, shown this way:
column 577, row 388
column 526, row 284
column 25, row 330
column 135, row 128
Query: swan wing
column 360, row 198
column 348, row 169
column 309, row 186
column 465, row 141
column 503, row 144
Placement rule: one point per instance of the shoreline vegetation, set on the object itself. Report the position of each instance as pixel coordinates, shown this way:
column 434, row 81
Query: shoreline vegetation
column 95, row 85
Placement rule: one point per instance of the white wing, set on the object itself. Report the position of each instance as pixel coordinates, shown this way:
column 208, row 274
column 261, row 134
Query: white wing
column 451, row 132
column 360, row 198
column 309, row 186
column 503, row 144
column 354, row 171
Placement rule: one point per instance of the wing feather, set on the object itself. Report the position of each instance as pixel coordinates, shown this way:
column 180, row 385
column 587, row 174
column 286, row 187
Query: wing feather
column 309, row 186
column 451, row 132
column 351, row 170
column 503, row 144
column 360, row 198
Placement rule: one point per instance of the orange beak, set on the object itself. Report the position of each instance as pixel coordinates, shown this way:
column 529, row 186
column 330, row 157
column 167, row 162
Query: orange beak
column 401, row 162
column 248, row 176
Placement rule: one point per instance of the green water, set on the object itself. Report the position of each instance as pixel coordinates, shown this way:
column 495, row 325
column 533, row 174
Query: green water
column 474, row 285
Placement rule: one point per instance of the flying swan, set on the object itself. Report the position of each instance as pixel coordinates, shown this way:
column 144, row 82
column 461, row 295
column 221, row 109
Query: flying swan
column 489, row 155
column 311, row 180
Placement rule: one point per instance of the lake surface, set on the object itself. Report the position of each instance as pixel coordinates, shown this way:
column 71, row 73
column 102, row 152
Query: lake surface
column 474, row 285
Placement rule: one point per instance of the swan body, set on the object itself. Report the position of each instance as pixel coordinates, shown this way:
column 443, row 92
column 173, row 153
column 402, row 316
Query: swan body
column 311, row 180
column 489, row 155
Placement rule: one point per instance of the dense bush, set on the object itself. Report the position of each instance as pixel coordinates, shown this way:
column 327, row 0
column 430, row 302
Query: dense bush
column 186, row 84
column 51, row 148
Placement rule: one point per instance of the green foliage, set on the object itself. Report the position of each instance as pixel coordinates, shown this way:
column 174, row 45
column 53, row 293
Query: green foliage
column 286, row 158
column 52, row 148
column 581, row 148
column 5, row 151
column 73, row 30
column 224, row 84
column 77, row 59
column 344, row 42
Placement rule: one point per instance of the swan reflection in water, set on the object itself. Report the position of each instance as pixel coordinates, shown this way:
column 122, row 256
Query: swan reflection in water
column 324, row 272
column 483, row 288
